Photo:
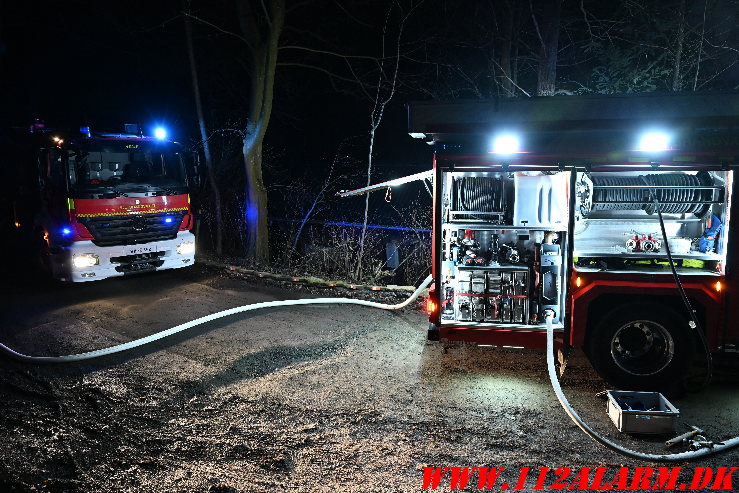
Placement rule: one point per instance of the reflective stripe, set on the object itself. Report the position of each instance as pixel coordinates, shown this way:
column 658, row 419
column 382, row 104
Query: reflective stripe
column 99, row 214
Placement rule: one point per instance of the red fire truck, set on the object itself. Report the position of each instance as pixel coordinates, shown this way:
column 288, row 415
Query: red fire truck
column 90, row 206
column 557, row 205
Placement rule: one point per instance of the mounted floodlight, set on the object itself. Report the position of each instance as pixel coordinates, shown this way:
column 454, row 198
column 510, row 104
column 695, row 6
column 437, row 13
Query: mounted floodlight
column 506, row 144
column 160, row 133
column 654, row 142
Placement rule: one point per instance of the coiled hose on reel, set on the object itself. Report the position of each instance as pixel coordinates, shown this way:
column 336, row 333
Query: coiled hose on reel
column 479, row 193
column 629, row 193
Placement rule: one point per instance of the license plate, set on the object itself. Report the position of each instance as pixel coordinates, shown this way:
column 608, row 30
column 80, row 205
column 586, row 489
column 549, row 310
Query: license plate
column 141, row 249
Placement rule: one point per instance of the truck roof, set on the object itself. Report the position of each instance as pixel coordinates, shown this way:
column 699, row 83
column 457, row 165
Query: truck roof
column 440, row 120
column 703, row 127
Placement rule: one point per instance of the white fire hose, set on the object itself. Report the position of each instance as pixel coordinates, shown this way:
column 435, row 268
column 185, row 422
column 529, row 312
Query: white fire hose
column 727, row 444
column 208, row 318
column 683, row 456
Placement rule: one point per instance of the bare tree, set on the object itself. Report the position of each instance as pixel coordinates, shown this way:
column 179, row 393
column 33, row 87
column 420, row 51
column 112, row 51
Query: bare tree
column 261, row 24
column 547, row 26
column 387, row 83
column 677, row 73
column 212, row 182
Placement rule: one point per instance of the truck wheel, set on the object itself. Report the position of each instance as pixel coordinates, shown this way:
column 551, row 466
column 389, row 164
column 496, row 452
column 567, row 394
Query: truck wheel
column 639, row 346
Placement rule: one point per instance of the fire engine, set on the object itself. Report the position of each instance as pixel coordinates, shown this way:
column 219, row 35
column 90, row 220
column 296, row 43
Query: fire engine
column 91, row 206
column 576, row 206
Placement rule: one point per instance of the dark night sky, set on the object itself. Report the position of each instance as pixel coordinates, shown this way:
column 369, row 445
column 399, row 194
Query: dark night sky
column 106, row 63
column 99, row 62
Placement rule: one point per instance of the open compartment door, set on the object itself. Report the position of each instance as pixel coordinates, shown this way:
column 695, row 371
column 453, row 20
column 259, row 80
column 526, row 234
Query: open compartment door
column 387, row 184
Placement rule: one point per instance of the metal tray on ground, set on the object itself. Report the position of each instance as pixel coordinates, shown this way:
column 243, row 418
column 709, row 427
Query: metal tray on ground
column 641, row 412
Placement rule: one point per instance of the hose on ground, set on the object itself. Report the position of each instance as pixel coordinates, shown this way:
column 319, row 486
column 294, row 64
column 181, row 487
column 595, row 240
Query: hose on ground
column 208, row 318
column 683, row 456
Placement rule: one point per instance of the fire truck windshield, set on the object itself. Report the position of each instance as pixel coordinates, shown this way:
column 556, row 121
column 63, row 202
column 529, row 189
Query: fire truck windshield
column 123, row 167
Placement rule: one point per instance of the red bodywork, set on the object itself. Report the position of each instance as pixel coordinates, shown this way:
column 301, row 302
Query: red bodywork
column 584, row 134
column 121, row 206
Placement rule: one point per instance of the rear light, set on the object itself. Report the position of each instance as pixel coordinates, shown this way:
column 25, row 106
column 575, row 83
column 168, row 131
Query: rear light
column 718, row 286
column 431, row 306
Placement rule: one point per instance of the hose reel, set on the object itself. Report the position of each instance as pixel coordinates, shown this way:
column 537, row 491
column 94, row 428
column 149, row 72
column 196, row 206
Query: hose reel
column 677, row 193
column 479, row 198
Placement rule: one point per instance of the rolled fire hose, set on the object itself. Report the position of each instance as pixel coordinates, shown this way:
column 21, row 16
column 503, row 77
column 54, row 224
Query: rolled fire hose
column 208, row 318
column 683, row 456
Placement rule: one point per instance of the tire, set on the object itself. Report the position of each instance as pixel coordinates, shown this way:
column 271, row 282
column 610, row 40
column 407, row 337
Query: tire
column 639, row 346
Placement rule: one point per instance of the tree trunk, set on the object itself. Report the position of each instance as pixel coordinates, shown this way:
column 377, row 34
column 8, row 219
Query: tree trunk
column 360, row 257
column 255, row 210
column 548, row 32
column 261, row 26
column 677, row 76
column 218, row 215
column 505, row 52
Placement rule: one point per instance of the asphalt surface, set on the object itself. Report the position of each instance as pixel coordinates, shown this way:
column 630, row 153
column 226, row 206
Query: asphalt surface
column 331, row 398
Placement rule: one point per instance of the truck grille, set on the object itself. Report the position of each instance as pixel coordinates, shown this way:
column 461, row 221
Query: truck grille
column 142, row 262
column 132, row 229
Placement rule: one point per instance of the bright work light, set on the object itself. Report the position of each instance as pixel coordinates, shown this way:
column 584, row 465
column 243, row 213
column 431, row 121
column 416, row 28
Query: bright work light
column 506, row 144
column 654, row 142
column 160, row 133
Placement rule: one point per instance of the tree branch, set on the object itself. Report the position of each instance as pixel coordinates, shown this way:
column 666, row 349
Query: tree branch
column 326, row 52
column 511, row 80
column 319, row 69
column 349, row 15
column 216, row 27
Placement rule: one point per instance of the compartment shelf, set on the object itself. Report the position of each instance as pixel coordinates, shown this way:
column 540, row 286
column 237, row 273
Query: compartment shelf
column 497, row 227
column 643, row 255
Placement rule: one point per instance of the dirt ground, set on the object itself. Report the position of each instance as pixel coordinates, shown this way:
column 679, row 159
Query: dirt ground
column 310, row 399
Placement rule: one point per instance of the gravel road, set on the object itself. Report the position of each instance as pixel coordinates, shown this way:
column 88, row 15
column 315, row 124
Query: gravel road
column 309, row 399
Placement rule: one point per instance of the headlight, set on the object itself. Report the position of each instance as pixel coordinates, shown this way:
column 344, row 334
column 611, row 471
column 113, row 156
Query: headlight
column 83, row 260
column 186, row 248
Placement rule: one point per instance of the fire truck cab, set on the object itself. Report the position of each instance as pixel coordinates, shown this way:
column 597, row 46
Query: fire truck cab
column 90, row 206
column 552, row 206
